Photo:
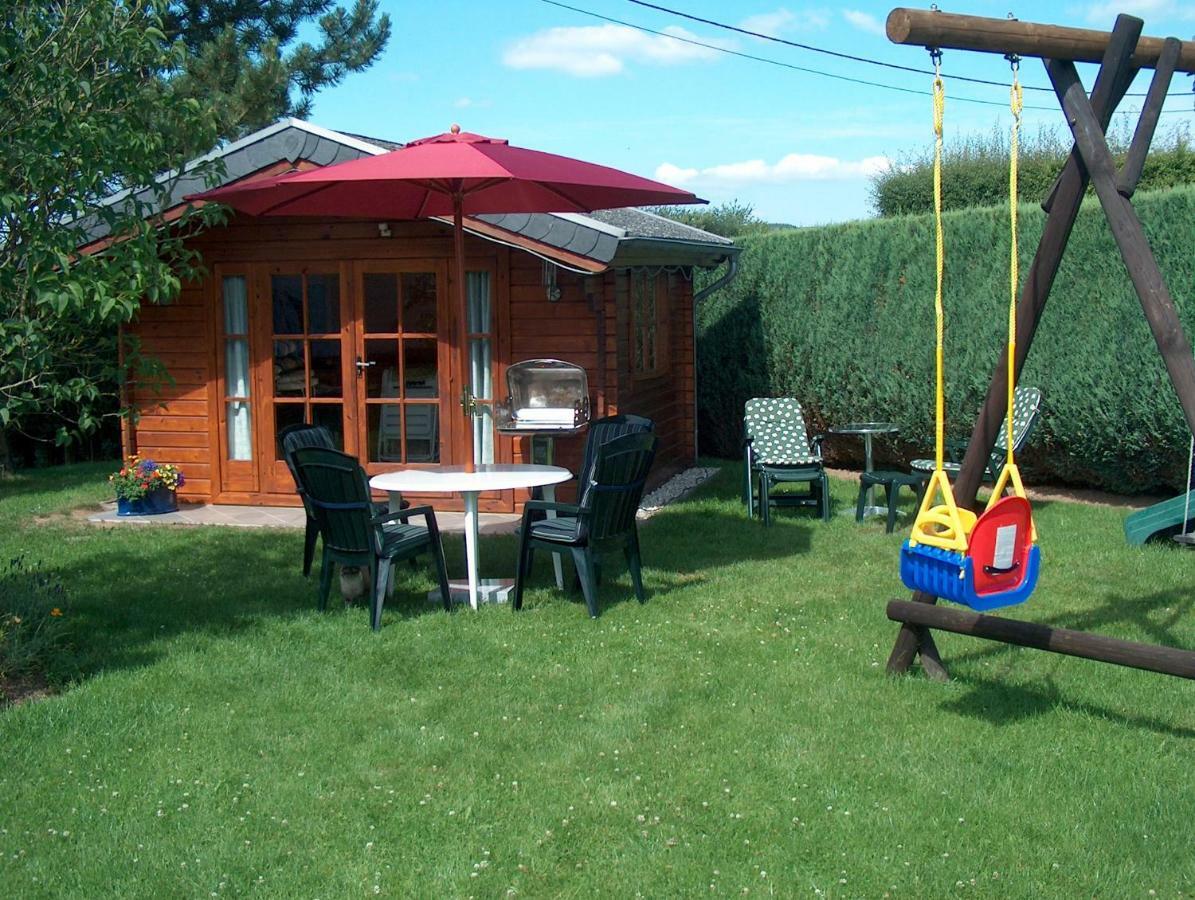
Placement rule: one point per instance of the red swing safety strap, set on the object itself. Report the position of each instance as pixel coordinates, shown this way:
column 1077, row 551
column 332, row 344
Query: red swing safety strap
column 1000, row 544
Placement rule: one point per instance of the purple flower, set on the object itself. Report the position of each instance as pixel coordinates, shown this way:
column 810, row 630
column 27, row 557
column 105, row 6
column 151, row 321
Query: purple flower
column 181, row 480
column 148, row 465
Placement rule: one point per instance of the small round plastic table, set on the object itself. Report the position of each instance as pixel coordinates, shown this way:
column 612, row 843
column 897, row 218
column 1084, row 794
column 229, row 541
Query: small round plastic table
column 455, row 480
column 868, row 430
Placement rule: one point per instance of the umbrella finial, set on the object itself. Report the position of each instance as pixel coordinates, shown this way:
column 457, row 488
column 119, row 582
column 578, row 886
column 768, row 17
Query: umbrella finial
column 455, row 129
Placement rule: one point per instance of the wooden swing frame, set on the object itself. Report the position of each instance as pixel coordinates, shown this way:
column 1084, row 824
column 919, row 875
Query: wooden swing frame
column 1121, row 53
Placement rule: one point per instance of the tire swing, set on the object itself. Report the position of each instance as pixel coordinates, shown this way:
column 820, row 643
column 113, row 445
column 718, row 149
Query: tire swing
column 992, row 560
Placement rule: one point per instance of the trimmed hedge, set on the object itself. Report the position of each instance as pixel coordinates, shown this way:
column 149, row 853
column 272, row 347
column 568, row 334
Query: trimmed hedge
column 842, row 318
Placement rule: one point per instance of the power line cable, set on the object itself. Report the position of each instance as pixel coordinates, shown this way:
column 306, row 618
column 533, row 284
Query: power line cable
column 804, row 69
column 768, row 60
column 840, row 55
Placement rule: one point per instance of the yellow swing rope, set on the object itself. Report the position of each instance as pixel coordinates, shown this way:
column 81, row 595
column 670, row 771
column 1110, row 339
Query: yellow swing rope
column 1010, row 475
column 943, row 525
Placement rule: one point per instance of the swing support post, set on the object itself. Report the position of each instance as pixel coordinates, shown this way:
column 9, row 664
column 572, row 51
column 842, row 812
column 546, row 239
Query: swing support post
column 1122, row 53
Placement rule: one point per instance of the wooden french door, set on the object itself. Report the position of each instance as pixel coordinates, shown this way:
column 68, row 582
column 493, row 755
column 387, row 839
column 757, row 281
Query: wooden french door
column 366, row 350
column 306, row 329
column 401, row 361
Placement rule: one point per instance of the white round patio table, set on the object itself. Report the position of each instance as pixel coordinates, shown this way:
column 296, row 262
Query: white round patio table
column 455, row 480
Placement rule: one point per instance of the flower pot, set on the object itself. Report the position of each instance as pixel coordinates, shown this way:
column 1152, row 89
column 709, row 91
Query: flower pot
column 157, row 501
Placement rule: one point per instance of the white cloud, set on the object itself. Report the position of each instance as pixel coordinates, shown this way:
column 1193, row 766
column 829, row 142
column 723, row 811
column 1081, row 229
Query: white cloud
column 1105, row 12
column 864, row 21
column 597, row 50
column 781, row 20
column 470, row 103
column 793, row 167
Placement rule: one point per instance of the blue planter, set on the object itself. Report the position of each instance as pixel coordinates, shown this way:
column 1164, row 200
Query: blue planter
column 156, row 502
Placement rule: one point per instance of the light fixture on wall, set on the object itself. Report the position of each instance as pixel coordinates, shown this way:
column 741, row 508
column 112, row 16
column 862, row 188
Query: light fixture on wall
column 550, row 289
column 383, row 229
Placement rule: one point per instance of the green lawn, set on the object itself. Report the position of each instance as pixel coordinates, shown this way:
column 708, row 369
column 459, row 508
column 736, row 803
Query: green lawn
column 735, row 735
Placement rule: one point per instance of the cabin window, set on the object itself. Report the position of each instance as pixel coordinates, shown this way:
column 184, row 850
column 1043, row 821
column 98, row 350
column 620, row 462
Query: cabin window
column 649, row 305
column 481, row 352
column 236, row 367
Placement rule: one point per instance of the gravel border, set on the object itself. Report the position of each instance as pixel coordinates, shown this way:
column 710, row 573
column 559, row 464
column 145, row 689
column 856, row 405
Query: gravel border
column 675, row 488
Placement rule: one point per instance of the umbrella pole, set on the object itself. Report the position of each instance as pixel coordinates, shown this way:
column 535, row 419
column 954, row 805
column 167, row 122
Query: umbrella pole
column 466, row 397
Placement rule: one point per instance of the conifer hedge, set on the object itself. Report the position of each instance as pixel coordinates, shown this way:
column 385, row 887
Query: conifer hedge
column 842, row 318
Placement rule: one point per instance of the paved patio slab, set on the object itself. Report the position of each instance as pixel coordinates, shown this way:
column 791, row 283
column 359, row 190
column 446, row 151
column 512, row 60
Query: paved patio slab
column 280, row 517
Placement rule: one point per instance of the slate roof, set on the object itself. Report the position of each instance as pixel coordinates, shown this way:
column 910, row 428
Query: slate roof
column 613, row 237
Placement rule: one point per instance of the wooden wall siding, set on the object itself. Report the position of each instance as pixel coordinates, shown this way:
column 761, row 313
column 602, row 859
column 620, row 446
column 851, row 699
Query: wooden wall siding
column 180, row 424
column 175, row 419
column 666, row 398
column 566, row 329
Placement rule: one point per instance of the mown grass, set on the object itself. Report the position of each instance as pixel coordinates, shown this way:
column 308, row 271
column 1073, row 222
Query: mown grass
column 735, row 734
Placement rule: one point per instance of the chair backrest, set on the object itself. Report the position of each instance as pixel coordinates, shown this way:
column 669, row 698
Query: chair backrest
column 619, row 474
column 775, row 426
column 600, row 432
column 336, row 490
column 1026, row 406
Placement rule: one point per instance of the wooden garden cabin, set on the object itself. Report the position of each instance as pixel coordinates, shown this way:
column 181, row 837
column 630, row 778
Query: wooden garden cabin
column 345, row 323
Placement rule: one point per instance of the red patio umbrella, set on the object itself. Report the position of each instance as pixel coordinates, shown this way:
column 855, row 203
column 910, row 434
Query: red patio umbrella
column 449, row 174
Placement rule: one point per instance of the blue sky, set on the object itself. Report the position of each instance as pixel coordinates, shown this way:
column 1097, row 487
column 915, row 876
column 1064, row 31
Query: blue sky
column 798, row 147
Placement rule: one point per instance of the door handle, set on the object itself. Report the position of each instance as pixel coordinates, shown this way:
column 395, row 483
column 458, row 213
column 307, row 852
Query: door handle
column 362, row 365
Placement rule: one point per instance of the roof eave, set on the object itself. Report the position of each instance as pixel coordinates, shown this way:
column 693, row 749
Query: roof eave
column 669, row 252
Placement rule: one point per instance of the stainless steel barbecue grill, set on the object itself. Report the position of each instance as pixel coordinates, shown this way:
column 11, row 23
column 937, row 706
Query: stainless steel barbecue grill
column 546, row 397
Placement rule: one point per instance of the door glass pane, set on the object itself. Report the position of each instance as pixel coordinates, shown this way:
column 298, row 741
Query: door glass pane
column 285, row 414
column 287, row 294
column 419, row 369
column 381, row 303
column 384, row 428
column 288, row 369
column 423, row 432
column 325, row 369
column 236, row 367
column 381, row 375
column 323, row 304
column 477, row 289
column 419, row 302
column 240, row 432
column 236, row 305
column 330, row 416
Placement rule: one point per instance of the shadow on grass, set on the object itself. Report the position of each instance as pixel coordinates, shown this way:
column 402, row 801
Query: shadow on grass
column 133, row 590
column 1002, row 703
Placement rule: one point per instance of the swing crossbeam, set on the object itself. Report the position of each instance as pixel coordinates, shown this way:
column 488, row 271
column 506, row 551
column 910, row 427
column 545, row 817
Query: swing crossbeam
column 950, row 31
column 1084, row 644
column 1121, row 54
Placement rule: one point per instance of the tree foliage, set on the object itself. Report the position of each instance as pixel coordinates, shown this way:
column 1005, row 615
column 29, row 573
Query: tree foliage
column 240, row 57
column 975, row 171
column 83, row 116
column 730, row 219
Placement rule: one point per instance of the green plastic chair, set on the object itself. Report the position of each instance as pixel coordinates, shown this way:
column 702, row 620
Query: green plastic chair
column 1026, row 411
column 294, row 437
column 604, row 520
column 778, row 450
column 337, row 490
column 601, row 431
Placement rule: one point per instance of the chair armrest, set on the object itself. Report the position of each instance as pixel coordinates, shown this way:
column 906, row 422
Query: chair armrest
column 815, row 444
column 551, row 506
column 403, row 514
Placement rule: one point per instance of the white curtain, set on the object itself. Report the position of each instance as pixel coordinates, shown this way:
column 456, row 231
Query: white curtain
column 236, row 367
column 481, row 382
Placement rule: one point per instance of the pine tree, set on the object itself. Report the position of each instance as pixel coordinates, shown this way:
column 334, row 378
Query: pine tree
column 243, row 63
